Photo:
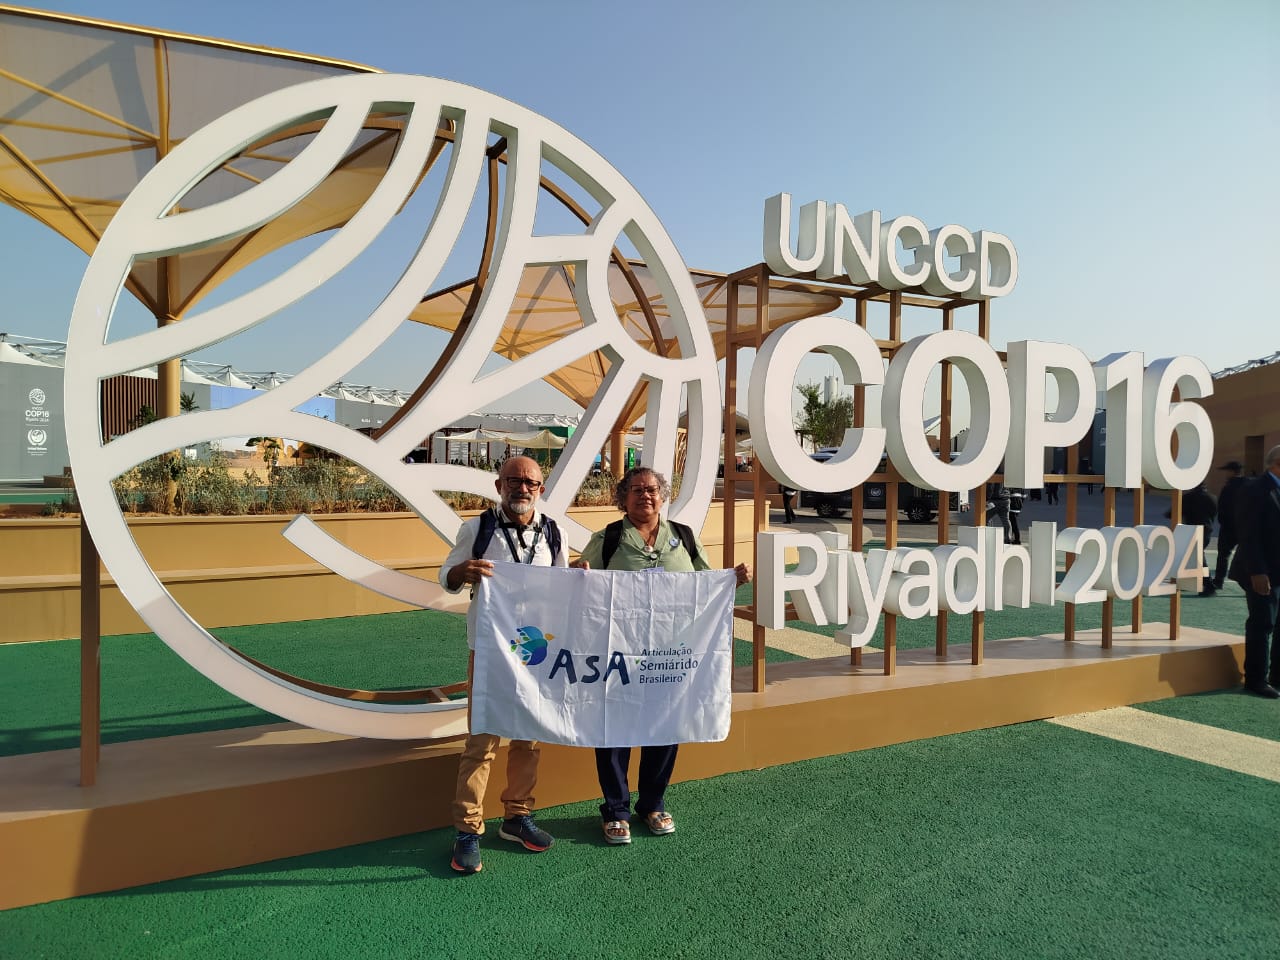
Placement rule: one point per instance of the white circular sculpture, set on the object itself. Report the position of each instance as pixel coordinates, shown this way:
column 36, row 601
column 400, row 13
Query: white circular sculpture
column 146, row 228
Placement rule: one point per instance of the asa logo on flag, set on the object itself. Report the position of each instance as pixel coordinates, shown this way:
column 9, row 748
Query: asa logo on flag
column 532, row 645
column 596, row 658
column 532, row 648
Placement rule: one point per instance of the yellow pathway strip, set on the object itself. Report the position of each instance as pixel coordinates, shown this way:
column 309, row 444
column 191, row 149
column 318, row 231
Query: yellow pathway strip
column 1240, row 752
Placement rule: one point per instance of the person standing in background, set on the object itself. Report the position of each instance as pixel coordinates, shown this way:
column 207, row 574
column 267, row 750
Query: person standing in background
column 1256, row 568
column 998, row 508
column 1015, row 508
column 1051, row 489
column 788, row 497
column 1227, row 520
column 1199, row 508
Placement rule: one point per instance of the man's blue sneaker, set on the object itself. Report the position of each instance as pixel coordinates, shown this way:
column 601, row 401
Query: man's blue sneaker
column 466, row 853
column 524, row 830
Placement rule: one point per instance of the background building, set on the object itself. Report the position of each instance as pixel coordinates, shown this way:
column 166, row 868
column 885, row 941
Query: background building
column 1245, row 411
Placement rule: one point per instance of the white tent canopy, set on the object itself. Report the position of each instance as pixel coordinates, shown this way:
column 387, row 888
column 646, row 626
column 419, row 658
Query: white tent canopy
column 532, row 439
column 11, row 354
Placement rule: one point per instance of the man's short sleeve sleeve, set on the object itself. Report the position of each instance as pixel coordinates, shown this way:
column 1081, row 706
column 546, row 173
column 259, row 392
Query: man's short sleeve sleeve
column 461, row 552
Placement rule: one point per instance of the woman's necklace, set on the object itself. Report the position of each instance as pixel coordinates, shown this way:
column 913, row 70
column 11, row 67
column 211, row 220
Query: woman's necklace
column 649, row 538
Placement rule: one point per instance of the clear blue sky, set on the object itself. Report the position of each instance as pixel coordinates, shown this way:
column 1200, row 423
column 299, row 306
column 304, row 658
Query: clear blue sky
column 1129, row 150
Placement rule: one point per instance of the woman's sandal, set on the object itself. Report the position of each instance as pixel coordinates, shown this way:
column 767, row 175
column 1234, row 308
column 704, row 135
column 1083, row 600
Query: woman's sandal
column 617, row 831
column 660, row 823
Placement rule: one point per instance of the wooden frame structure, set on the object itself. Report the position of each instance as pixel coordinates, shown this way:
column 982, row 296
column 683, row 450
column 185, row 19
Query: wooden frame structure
column 738, row 338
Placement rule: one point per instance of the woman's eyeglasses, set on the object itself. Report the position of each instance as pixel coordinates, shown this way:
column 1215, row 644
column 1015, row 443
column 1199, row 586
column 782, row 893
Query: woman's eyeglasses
column 640, row 491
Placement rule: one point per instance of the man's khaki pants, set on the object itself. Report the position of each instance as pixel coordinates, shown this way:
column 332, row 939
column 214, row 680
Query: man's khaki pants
column 473, row 776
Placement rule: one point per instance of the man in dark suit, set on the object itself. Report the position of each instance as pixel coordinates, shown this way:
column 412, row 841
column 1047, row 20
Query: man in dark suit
column 1199, row 507
column 998, row 509
column 1227, row 538
column 1256, row 568
column 788, row 497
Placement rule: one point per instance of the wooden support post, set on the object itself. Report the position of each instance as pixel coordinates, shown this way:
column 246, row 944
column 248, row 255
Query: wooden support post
column 1108, row 605
column 757, row 631
column 978, row 621
column 1175, row 518
column 617, row 451
column 1175, row 599
column 1139, row 509
column 90, row 658
column 891, row 499
column 1069, row 609
column 944, row 499
column 978, row 630
column 168, row 372
column 757, row 656
column 856, row 506
column 730, row 425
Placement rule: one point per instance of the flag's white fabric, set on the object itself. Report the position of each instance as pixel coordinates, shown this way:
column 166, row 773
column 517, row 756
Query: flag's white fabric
column 603, row 659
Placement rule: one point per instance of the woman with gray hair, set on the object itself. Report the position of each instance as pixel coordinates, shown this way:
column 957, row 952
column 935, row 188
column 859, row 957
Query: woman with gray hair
column 642, row 540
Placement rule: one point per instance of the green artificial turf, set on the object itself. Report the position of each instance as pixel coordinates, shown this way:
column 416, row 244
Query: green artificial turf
column 1024, row 841
column 148, row 691
column 1225, row 709
column 1224, row 613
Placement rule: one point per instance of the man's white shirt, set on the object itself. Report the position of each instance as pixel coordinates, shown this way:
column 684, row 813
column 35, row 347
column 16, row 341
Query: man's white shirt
column 499, row 550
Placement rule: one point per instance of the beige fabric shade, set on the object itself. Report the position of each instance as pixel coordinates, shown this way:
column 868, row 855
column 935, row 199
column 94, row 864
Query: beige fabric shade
column 531, row 439
column 544, row 309
column 88, row 107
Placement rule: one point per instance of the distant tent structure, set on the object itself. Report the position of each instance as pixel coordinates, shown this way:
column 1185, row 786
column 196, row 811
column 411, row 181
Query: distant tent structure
column 221, row 374
column 533, row 439
column 11, row 354
column 1248, row 365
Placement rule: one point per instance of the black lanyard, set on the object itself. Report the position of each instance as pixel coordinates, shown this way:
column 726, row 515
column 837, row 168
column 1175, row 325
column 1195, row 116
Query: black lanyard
column 515, row 553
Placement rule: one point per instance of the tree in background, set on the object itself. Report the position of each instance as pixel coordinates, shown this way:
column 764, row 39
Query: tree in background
column 146, row 414
column 823, row 422
column 270, row 447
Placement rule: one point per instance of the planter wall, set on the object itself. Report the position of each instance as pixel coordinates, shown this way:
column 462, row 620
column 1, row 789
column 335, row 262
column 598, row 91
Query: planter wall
column 229, row 571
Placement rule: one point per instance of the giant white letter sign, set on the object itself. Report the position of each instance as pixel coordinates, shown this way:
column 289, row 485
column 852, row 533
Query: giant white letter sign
column 769, row 404
column 146, row 227
column 1032, row 432
column 904, row 393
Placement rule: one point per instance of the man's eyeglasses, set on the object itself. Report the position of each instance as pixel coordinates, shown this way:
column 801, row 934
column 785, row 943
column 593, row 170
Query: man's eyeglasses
column 640, row 491
column 515, row 483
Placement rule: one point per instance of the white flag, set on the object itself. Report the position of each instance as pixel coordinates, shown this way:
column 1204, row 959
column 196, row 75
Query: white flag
column 603, row 658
